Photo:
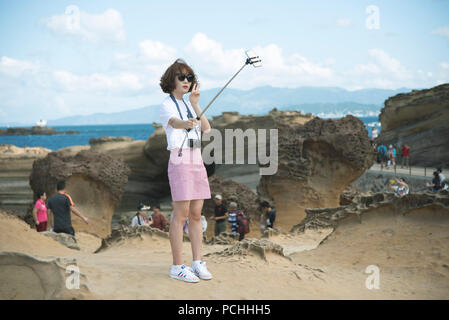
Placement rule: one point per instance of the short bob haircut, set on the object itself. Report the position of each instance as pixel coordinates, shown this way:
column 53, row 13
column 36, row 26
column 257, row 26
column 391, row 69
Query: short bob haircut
column 168, row 79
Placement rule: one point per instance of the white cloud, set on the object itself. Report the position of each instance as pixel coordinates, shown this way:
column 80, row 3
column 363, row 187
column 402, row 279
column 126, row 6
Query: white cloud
column 97, row 82
column 214, row 63
column 343, row 22
column 156, row 51
column 381, row 71
column 104, row 27
column 387, row 63
column 442, row 31
column 208, row 52
column 133, row 77
column 16, row 68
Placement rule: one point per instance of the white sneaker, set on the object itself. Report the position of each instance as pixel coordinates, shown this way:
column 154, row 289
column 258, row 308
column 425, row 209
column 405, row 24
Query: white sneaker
column 183, row 273
column 200, row 269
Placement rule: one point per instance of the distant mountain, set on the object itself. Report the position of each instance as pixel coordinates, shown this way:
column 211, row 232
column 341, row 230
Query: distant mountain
column 321, row 101
column 142, row 115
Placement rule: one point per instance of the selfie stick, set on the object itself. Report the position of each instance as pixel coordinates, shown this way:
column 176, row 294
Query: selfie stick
column 255, row 61
column 248, row 61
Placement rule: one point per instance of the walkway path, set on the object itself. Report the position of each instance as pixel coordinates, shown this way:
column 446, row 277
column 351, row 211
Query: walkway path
column 414, row 171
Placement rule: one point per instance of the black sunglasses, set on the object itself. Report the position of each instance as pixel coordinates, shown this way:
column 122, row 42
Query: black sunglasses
column 189, row 77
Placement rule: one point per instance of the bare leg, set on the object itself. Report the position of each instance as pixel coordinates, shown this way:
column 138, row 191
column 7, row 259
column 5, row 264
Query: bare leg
column 180, row 213
column 195, row 228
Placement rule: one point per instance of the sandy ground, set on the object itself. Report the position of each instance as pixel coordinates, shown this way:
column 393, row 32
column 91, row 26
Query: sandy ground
column 411, row 252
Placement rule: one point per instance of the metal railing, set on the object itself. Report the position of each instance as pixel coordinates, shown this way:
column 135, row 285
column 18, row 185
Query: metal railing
column 415, row 171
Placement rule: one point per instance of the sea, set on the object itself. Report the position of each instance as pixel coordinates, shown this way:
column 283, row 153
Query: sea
column 135, row 131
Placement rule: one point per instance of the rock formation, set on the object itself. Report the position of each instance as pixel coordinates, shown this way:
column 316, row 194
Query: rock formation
column 231, row 191
column 124, row 233
column 317, row 161
column 94, row 180
column 63, row 238
column 421, row 120
column 224, row 238
column 26, row 277
column 436, row 204
column 379, row 181
column 156, row 145
column 146, row 181
column 260, row 247
column 36, row 130
column 15, row 169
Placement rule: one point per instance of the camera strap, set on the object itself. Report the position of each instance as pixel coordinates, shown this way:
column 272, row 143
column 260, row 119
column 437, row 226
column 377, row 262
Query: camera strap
column 189, row 113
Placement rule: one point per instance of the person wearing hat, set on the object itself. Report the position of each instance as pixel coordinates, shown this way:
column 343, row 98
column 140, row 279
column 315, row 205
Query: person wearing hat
column 140, row 219
column 220, row 215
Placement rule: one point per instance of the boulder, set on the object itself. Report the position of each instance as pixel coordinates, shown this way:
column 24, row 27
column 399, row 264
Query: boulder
column 146, row 181
column 316, row 162
column 421, row 120
column 95, row 181
column 24, row 277
column 156, row 146
column 63, row 238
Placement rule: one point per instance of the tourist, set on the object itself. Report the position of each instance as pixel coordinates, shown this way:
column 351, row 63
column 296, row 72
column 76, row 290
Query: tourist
column 158, row 218
column 374, row 134
column 60, row 205
column 40, row 212
column 391, row 156
column 399, row 186
column 269, row 214
column 405, row 155
column 435, row 185
column 238, row 221
column 232, row 216
column 242, row 224
column 187, row 174
column 381, row 154
column 220, row 215
column 140, row 218
column 443, row 181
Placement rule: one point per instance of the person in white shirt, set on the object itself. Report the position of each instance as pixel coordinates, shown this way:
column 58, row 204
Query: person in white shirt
column 140, row 219
column 443, row 181
column 189, row 184
column 374, row 133
column 399, row 186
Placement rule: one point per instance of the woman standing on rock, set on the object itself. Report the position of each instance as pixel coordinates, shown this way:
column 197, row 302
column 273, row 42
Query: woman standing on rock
column 187, row 175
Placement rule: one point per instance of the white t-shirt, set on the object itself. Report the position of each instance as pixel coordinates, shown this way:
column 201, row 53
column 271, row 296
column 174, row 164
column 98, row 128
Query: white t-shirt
column 176, row 136
column 401, row 190
column 136, row 219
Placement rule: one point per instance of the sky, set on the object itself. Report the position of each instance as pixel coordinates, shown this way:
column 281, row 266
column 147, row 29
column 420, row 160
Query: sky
column 64, row 58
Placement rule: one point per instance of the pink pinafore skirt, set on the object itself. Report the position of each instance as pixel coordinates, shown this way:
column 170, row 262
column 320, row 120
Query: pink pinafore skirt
column 187, row 175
